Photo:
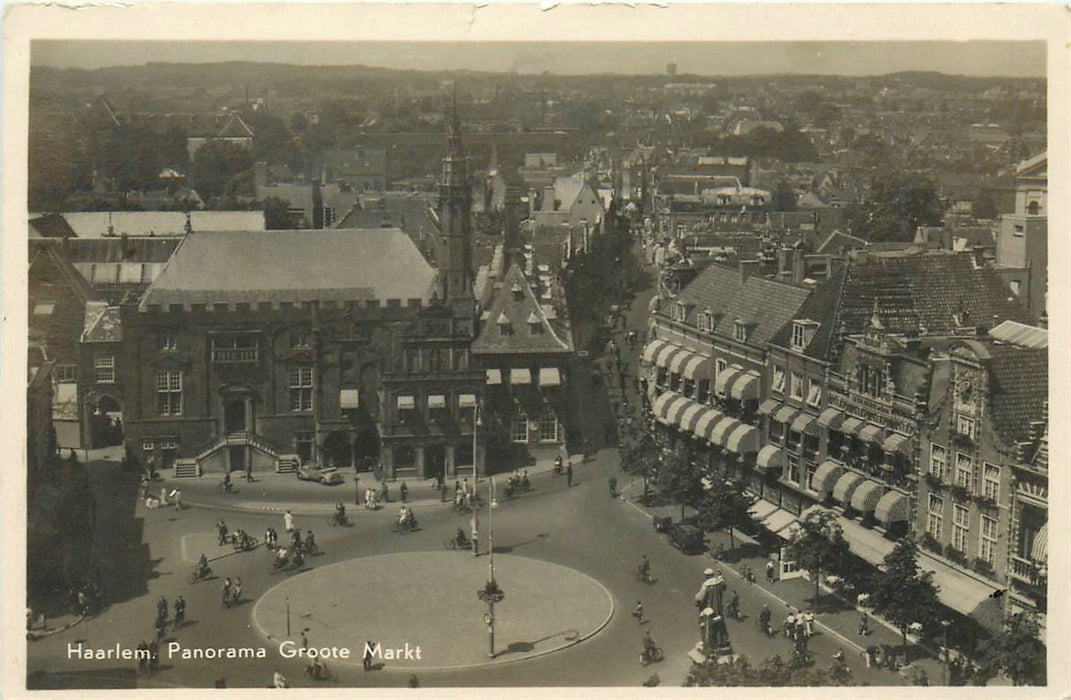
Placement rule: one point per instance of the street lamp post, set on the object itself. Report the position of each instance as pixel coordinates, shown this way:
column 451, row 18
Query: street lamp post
column 491, row 593
column 475, row 425
column 944, row 651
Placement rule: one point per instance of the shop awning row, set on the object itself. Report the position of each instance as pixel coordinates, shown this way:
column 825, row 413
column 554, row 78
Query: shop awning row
column 826, row 476
column 706, row 423
column 677, row 360
column 737, row 383
column 893, row 507
column 522, row 376
column 770, row 457
column 805, row 423
column 845, row 486
column 866, row 495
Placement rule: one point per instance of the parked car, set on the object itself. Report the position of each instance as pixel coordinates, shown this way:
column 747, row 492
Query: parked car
column 687, row 538
column 308, row 472
column 330, row 477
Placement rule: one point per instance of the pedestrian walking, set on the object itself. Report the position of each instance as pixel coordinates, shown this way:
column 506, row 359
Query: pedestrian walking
column 305, row 639
column 474, row 525
column 808, row 623
column 788, row 625
column 161, row 627
column 569, row 473
column 177, row 496
column 180, row 612
column 163, row 496
column 288, row 521
column 161, row 607
column 384, row 494
column 864, row 624
column 221, row 532
column 403, row 490
column 236, row 590
column 770, row 571
column 638, row 612
column 366, row 658
column 226, row 591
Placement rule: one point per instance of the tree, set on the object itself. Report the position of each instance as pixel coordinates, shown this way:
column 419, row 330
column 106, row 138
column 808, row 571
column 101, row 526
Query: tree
column 1018, row 651
column 276, row 213
column 899, row 204
column 783, row 198
column 725, row 506
column 901, row 592
column 679, row 475
column 639, row 454
column 774, row 672
column 218, row 167
column 819, row 546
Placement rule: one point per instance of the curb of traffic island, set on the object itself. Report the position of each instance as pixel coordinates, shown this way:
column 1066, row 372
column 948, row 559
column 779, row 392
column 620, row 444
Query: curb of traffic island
column 493, row 662
column 302, row 508
column 33, row 636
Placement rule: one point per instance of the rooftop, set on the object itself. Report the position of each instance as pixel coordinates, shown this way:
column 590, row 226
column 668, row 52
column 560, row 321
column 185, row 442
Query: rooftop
column 514, row 303
column 293, row 266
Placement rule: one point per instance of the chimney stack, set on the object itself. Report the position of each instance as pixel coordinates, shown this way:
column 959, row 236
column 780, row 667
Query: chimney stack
column 747, row 269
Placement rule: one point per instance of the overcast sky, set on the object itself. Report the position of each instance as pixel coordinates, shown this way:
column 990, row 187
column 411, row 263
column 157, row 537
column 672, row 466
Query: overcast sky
column 981, row 58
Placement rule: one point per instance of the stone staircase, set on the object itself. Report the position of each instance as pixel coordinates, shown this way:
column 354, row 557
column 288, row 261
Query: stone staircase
column 186, row 468
column 287, row 464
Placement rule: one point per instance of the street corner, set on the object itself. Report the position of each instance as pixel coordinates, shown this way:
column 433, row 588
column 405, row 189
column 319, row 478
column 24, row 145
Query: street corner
column 430, row 616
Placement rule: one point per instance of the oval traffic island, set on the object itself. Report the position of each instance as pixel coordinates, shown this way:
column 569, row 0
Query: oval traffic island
column 427, row 610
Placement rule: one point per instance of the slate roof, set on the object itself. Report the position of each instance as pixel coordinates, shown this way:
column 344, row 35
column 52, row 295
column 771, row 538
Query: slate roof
column 1020, row 334
column 293, row 266
column 1018, row 387
column 519, row 312
column 116, row 250
column 51, row 226
column 820, row 307
column 763, row 305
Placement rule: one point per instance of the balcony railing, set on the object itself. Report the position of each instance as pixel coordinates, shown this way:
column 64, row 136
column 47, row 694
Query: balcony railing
column 223, row 355
column 1024, row 571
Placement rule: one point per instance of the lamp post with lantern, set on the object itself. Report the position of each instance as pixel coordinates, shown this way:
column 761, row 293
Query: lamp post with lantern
column 491, row 593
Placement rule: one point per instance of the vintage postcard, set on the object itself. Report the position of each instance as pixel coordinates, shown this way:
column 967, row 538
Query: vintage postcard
column 373, row 347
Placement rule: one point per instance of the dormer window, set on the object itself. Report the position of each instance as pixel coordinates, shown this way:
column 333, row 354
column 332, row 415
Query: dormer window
column 802, row 333
column 740, row 331
column 535, row 325
column 679, row 311
column 706, row 321
column 505, row 328
column 518, row 292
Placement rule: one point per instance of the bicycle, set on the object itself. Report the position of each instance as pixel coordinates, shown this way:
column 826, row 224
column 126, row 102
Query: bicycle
column 452, row 543
column 244, row 544
column 199, row 575
column 338, row 519
column 651, row 656
column 403, row 528
column 644, row 575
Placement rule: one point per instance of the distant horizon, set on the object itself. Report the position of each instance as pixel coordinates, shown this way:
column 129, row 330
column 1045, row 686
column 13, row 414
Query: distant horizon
column 973, row 59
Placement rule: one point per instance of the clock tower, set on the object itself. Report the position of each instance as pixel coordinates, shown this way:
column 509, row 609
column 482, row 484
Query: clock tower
column 455, row 220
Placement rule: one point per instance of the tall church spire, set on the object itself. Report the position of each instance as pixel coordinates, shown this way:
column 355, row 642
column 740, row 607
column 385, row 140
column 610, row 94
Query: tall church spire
column 455, row 216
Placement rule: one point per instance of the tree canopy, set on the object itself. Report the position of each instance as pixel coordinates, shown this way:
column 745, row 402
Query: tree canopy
column 725, row 506
column 773, row 672
column 1018, row 651
column 902, row 593
column 819, row 546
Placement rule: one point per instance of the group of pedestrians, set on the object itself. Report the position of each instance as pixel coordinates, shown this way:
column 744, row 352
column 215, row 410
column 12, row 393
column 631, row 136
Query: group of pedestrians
column 149, row 652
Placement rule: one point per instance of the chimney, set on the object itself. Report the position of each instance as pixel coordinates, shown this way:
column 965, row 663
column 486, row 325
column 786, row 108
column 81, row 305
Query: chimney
column 747, row 269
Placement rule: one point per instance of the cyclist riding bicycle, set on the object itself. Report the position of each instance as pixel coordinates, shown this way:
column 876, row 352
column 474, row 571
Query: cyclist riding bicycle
column 645, row 567
column 202, row 566
column 649, row 646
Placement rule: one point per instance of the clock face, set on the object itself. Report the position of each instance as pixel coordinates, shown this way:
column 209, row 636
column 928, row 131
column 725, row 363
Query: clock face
column 965, row 390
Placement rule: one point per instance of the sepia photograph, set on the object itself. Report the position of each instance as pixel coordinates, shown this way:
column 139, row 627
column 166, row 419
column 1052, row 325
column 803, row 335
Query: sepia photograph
column 446, row 362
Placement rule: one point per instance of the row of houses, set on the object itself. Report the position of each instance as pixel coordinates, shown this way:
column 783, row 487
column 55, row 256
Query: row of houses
column 905, row 394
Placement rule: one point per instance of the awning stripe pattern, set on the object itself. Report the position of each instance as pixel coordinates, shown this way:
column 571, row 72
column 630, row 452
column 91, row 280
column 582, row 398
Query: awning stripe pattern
column 720, row 432
column 842, row 490
column 770, row 457
column 690, row 415
column 725, row 378
column 670, row 409
column 851, row 425
column 784, row 414
column 745, row 387
column 652, row 350
column 768, row 406
column 676, row 409
column 866, row 495
column 1039, row 551
column 805, row 423
column 825, row 477
column 349, row 398
column 892, row 508
column 659, row 405
column 871, row 433
column 676, row 364
column 831, row 418
column 897, row 443
column 549, row 376
column 662, row 358
column 697, row 367
column 705, row 422
column 744, row 439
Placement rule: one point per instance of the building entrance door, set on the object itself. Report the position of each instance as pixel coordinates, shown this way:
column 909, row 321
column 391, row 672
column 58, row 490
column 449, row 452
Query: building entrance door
column 234, row 416
column 435, row 462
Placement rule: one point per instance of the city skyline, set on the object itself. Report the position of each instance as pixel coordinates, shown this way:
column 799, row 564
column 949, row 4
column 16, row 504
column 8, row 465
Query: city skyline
column 1006, row 59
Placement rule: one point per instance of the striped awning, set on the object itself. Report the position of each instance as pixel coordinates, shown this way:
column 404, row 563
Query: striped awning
column 406, row 403
column 436, row 401
column 690, row 416
column 866, row 495
column 549, row 376
column 805, row 423
column 851, row 425
column 745, row 387
column 892, row 508
column 784, row 414
column 675, row 410
column 1039, row 551
column 466, row 401
column 725, row 378
column 677, row 362
column 770, row 457
column 652, row 350
column 871, row 433
column 659, row 405
column 842, row 490
column 667, row 351
column 520, row 376
column 494, row 376
column 719, row 434
column 768, row 406
column 697, row 367
column 707, row 419
column 349, row 398
column 831, row 418
column 743, row 439
column 897, row 443
column 826, row 476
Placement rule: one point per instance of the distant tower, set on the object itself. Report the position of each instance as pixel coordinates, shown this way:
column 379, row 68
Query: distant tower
column 671, row 69
column 455, row 218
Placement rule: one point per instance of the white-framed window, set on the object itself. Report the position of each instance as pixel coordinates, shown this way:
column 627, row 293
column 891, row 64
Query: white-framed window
column 518, row 430
column 740, row 331
column 548, row 426
column 168, row 444
column 814, row 392
column 792, row 469
column 991, row 481
column 65, row 374
column 965, row 426
column 799, row 335
column 964, row 470
column 961, row 520
column 680, row 311
column 169, row 392
column 147, row 445
column 938, row 460
column 104, row 369
column 168, row 341
column 987, row 542
column 797, row 386
column 706, row 321
column 299, row 339
column 720, row 366
column 812, row 467
column 299, row 381
column 778, row 379
column 935, row 516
